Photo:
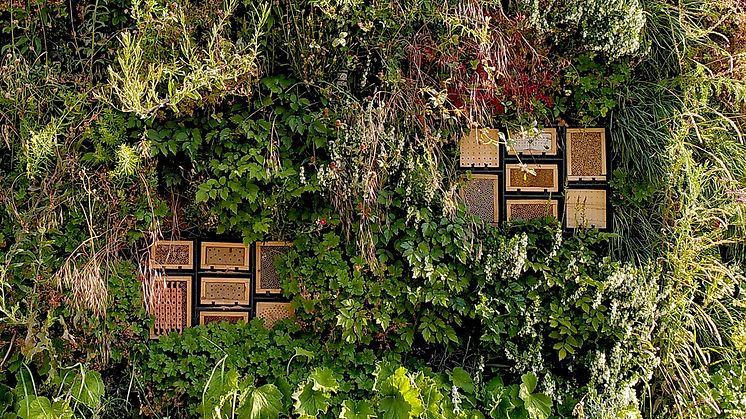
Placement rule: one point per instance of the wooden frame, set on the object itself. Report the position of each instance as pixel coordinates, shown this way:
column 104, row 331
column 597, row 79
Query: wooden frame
column 580, row 162
column 524, row 146
column 553, row 204
column 204, row 316
column 236, row 256
column 156, row 264
column 475, row 152
column 172, row 305
column 259, row 288
column 525, row 185
column 272, row 312
column 495, row 196
column 208, row 284
column 586, row 208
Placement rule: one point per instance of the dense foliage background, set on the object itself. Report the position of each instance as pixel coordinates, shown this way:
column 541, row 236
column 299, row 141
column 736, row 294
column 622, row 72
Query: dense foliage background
column 334, row 124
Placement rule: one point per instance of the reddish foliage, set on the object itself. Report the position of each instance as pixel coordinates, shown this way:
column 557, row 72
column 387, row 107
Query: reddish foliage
column 481, row 79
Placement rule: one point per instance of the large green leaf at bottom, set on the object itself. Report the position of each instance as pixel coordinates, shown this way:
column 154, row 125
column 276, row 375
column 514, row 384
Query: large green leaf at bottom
column 357, row 410
column 309, row 401
column 42, row 408
column 88, row 388
column 323, row 380
column 539, row 406
column 399, row 398
column 264, row 402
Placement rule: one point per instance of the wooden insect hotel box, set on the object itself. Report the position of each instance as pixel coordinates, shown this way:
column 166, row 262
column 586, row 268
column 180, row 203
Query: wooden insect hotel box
column 481, row 194
column 541, row 143
column 531, row 209
column 207, row 317
column 267, row 277
column 586, row 154
column 172, row 254
column 532, row 178
column 224, row 291
column 272, row 312
column 480, row 148
column 586, row 208
column 224, row 256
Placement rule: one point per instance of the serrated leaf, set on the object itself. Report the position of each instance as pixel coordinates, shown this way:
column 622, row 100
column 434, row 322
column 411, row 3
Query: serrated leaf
column 461, row 379
column 264, row 402
column 400, row 400
column 323, row 380
column 528, row 383
column 357, row 410
column 309, row 401
column 539, row 406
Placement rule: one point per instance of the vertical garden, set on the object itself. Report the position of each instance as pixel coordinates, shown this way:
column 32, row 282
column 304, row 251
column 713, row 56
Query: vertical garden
column 335, row 125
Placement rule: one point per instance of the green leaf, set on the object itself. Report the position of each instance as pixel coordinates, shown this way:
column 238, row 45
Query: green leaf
column 528, row 382
column 219, row 389
column 539, row 406
column 357, row 410
column 309, row 401
column 6, row 398
column 323, row 380
column 399, row 398
column 303, row 352
column 88, row 389
column 42, row 408
column 264, row 402
column 461, row 379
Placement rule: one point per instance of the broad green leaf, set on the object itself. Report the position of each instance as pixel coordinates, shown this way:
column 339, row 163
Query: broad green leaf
column 431, row 396
column 88, row 388
column 264, row 402
column 384, row 370
column 220, row 388
column 309, row 401
column 399, row 399
column 461, row 379
column 357, row 410
column 323, row 380
column 539, row 406
column 42, row 408
column 528, row 383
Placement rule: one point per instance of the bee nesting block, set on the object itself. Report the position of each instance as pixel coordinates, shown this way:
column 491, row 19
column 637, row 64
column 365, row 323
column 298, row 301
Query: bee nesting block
column 481, row 195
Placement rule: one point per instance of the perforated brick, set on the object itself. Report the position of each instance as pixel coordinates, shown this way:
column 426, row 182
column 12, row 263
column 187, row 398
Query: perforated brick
column 172, row 305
